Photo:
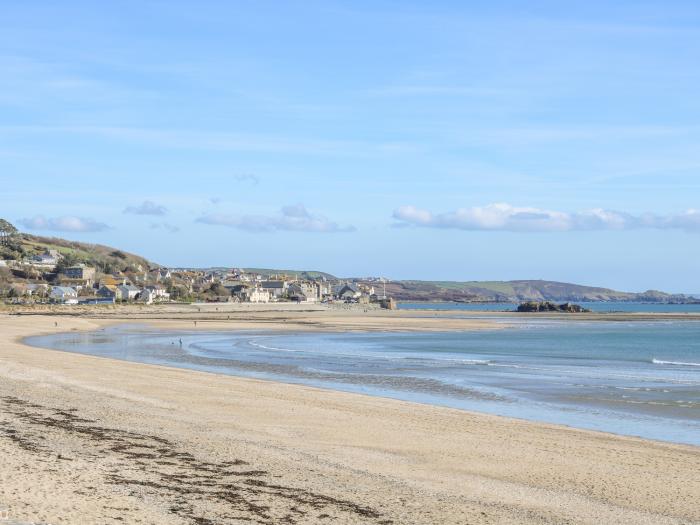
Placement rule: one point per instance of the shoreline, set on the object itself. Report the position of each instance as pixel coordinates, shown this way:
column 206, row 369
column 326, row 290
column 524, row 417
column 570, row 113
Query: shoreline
column 364, row 459
column 254, row 370
column 324, row 317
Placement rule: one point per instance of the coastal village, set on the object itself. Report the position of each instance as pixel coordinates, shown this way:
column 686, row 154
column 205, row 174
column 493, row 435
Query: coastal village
column 46, row 278
column 49, row 270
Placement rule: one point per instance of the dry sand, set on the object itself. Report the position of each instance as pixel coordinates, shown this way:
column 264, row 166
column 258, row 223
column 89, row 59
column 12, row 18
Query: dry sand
column 87, row 440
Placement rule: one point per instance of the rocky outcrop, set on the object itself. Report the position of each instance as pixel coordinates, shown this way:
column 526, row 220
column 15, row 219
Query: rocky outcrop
column 548, row 306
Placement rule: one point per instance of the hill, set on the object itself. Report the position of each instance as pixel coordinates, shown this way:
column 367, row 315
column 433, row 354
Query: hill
column 304, row 274
column 274, row 272
column 517, row 291
column 105, row 258
column 111, row 260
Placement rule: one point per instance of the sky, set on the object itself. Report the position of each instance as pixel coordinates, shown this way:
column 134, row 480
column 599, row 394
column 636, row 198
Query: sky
column 412, row 140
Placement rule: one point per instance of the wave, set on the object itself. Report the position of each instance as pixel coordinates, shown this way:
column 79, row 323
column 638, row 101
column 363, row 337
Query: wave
column 673, row 363
column 277, row 349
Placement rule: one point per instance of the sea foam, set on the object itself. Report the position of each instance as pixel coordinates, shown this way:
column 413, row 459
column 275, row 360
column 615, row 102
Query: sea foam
column 673, row 363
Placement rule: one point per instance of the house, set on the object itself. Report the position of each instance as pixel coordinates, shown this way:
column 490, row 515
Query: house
column 307, row 292
column 311, row 289
column 159, row 292
column 64, row 294
column 49, row 258
column 277, row 289
column 233, row 285
column 80, row 272
column 107, row 292
column 152, row 294
column 239, row 291
column 325, row 289
column 296, row 293
column 160, row 274
column 148, row 296
column 348, row 292
column 112, row 280
column 128, row 292
column 258, row 295
column 78, row 284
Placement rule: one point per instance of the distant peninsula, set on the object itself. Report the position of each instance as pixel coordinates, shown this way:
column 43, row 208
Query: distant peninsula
column 521, row 291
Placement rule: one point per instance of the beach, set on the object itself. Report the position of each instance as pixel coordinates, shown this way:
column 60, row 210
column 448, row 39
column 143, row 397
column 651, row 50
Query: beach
column 94, row 440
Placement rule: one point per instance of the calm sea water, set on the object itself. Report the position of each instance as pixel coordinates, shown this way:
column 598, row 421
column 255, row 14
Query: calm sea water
column 637, row 378
column 595, row 307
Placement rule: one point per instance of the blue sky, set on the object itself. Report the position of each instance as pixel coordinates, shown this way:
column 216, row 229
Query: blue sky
column 450, row 140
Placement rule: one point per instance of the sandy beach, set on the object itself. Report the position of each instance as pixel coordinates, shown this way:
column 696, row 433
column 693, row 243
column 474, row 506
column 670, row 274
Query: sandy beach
column 93, row 440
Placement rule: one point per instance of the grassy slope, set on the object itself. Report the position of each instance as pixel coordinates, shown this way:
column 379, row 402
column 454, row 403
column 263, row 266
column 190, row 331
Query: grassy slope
column 312, row 274
column 521, row 290
column 92, row 254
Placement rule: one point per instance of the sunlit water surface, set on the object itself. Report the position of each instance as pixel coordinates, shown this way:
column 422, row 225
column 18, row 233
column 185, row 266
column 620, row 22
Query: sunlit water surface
column 634, row 378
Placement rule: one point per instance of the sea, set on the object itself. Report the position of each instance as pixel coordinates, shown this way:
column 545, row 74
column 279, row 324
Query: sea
column 637, row 378
column 602, row 307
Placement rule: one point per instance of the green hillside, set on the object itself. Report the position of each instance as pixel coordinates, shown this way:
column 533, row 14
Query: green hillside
column 305, row 274
column 104, row 258
column 517, row 291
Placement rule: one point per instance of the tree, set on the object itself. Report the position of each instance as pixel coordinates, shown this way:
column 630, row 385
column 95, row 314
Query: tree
column 178, row 292
column 7, row 232
column 68, row 260
column 218, row 290
column 5, row 281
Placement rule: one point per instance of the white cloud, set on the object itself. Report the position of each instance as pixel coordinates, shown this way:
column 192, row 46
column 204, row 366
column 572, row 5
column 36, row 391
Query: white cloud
column 170, row 228
column 146, row 208
column 63, row 224
column 504, row 217
column 291, row 218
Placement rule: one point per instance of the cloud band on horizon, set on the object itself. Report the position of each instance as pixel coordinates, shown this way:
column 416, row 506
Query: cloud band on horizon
column 291, row 218
column 63, row 224
column 505, row 217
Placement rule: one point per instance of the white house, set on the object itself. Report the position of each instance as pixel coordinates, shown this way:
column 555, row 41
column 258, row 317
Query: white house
column 258, row 295
column 127, row 292
column 151, row 294
column 276, row 288
column 148, row 296
column 64, row 294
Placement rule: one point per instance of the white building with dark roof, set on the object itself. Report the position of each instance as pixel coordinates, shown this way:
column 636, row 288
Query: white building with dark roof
column 276, row 288
column 128, row 292
column 64, row 294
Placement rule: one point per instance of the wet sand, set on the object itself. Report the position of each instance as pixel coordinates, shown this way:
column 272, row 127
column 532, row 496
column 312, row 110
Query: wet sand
column 274, row 316
column 92, row 440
